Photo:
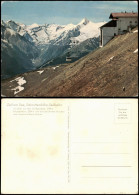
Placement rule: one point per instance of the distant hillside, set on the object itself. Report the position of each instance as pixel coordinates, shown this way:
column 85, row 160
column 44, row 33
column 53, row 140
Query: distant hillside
column 76, row 52
column 108, row 71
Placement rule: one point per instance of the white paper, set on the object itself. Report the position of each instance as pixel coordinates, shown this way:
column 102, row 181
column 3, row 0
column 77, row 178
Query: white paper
column 69, row 146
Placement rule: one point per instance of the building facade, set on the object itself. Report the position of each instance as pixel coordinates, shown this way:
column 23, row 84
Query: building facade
column 120, row 24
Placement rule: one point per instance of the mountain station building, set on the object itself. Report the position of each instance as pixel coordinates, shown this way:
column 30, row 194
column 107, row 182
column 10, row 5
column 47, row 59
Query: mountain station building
column 121, row 23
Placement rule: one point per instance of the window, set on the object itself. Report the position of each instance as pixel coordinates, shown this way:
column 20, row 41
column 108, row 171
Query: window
column 136, row 22
column 130, row 22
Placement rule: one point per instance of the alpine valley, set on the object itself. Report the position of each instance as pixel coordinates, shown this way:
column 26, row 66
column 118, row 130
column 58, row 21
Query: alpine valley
column 29, row 47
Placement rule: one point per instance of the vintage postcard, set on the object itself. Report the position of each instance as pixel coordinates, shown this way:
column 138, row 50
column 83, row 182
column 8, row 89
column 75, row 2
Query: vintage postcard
column 79, row 146
column 69, row 48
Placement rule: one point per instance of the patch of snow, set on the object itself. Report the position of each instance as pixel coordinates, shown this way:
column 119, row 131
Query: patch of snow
column 21, row 24
column 43, row 80
column 17, row 89
column 33, row 26
column 22, row 32
column 12, row 81
column 135, row 31
column 20, row 81
column 6, row 44
column 135, row 51
column 3, row 95
column 111, row 58
column 55, row 67
column 40, row 72
column 3, row 40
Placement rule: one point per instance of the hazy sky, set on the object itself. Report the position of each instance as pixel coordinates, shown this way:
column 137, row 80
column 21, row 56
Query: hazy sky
column 62, row 12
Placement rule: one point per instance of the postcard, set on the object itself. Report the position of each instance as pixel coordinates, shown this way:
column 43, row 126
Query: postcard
column 69, row 49
column 67, row 146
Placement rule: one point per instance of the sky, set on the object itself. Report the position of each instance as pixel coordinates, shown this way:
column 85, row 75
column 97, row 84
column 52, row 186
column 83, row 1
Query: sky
column 62, row 12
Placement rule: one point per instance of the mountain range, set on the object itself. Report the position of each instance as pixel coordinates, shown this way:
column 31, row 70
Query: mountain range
column 110, row 71
column 28, row 47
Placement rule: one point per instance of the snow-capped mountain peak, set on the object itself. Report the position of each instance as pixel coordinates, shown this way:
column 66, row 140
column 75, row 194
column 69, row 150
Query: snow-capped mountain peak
column 56, row 34
column 10, row 21
column 84, row 21
column 33, row 26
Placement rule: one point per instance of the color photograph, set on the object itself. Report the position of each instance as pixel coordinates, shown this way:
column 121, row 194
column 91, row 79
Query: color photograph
column 69, row 49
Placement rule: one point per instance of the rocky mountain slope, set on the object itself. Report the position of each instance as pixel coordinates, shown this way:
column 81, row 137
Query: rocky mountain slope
column 108, row 71
column 76, row 52
column 16, row 53
column 27, row 47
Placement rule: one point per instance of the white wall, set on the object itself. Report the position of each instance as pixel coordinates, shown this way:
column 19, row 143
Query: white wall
column 108, row 34
column 124, row 23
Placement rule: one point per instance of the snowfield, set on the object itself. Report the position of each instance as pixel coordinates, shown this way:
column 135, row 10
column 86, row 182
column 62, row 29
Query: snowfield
column 88, row 31
column 44, row 34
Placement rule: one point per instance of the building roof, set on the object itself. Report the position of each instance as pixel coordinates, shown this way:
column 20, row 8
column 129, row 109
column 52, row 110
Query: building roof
column 124, row 15
column 112, row 23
